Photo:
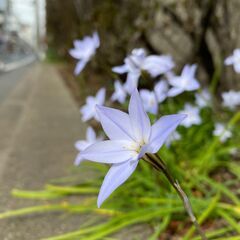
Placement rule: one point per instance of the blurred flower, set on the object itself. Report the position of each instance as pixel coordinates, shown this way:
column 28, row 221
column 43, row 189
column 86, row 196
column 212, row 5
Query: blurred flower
column 203, row 98
column 132, row 66
column 83, row 50
column 161, row 90
column 185, row 82
column 131, row 136
column 221, row 131
column 89, row 109
column 173, row 137
column 156, row 65
column 231, row 99
column 119, row 93
column 83, row 144
column 193, row 117
column 152, row 98
column 137, row 62
column 131, row 82
column 149, row 100
column 234, row 60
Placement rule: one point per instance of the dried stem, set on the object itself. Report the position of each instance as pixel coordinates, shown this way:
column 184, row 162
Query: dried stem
column 157, row 163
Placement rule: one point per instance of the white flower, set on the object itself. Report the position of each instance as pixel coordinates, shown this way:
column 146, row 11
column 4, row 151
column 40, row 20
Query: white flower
column 221, row 131
column 161, row 90
column 149, row 100
column 131, row 136
column 156, row 65
column 88, row 110
column 203, row 99
column 234, row 60
column 83, row 51
column 193, row 117
column 185, row 82
column 173, row 137
column 231, row 99
column 137, row 62
column 119, row 93
column 83, row 144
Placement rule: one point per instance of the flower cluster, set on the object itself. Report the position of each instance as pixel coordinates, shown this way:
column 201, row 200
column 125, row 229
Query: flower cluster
column 131, row 136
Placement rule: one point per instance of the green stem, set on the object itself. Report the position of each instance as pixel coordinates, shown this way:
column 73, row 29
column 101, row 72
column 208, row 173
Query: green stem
column 157, row 163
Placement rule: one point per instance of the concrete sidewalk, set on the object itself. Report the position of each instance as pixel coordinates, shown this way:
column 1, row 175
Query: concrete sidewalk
column 39, row 123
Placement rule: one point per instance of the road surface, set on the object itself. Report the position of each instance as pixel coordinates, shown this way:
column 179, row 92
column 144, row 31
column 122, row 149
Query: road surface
column 8, row 81
column 39, row 123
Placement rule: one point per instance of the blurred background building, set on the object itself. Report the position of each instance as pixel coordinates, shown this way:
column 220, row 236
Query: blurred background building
column 22, row 30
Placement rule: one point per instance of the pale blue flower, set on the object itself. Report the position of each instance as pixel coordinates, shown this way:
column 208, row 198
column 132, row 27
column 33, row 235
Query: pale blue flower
column 88, row 111
column 222, row 132
column 152, row 98
column 203, row 98
column 81, row 145
column 131, row 136
column 161, row 90
column 132, row 66
column 234, row 60
column 193, row 115
column 156, row 65
column 138, row 61
column 185, row 82
column 149, row 100
column 231, row 99
column 83, row 51
column 119, row 93
column 132, row 63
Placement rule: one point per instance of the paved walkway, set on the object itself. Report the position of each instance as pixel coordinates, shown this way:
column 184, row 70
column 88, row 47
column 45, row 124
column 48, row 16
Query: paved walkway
column 39, row 122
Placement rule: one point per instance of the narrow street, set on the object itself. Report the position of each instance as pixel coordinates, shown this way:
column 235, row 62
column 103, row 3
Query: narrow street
column 8, row 81
column 39, row 123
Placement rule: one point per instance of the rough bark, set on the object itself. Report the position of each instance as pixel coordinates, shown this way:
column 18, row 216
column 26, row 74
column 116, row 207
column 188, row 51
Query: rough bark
column 202, row 31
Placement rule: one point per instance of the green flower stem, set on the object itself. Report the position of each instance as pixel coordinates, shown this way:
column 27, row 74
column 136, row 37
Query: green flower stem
column 158, row 164
column 29, row 210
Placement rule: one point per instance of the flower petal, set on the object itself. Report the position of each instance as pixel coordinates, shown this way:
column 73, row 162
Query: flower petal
column 81, row 145
column 162, row 129
column 75, row 53
column 139, row 119
column 193, row 85
column 116, row 124
column 157, row 65
column 120, row 69
column 91, row 135
column 110, row 151
column 88, row 112
column 79, row 67
column 236, row 67
column 115, row 177
column 100, row 96
column 174, row 92
column 78, row 159
column 229, row 60
column 96, row 39
column 132, row 81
